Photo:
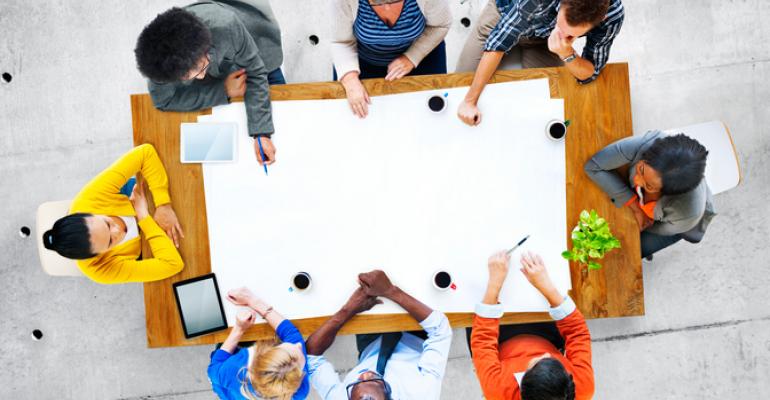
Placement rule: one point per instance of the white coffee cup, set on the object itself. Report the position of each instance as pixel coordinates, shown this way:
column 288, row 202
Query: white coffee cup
column 437, row 103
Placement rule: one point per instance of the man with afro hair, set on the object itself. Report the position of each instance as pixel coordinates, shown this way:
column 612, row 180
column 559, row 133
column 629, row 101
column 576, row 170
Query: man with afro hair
column 544, row 31
column 206, row 53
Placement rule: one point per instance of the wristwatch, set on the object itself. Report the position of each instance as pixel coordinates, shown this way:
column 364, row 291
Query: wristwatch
column 570, row 58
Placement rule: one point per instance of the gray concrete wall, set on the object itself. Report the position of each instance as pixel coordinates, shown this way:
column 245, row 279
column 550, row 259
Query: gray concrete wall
column 65, row 115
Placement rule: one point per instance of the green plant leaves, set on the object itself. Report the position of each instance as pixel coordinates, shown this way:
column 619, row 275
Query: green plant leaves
column 591, row 239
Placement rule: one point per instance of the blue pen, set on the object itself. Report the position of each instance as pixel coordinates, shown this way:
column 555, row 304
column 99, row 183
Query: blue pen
column 262, row 153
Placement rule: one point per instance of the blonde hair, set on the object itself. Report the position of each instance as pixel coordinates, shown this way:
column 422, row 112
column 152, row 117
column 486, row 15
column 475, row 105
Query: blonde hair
column 274, row 372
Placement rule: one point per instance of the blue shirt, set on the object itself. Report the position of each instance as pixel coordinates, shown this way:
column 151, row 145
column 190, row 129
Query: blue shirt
column 537, row 18
column 226, row 371
column 414, row 371
column 378, row 43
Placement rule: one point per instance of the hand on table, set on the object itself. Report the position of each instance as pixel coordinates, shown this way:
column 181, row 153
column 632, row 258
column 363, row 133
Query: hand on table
column 359, row 302
column 399, row 68
column 245, row 319
column 139, row 200
column 358, row 98
column 534, row 270
column 167, row 220
column 242, row 296
column 498, row 268
column 469, row 113
column 235, row 84
column 376, row 283
column 560, row 44
column 267, row 147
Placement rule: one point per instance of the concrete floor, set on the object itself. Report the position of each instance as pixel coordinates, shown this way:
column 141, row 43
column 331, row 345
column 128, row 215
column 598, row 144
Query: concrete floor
column 65, row 115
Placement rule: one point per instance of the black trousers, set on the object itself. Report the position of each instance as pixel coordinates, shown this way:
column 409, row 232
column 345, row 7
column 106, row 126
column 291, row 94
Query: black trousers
column 546, row 330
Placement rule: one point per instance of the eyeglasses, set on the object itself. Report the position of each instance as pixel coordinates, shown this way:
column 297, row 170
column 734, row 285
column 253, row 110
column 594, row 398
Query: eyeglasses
column 202, row 70
column 378, row 378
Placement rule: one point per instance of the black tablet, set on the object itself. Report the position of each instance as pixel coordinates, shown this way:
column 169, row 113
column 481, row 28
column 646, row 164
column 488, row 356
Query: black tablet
column 200, row 306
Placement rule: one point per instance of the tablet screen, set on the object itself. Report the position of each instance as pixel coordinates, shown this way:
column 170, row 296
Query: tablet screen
column 207, row 142
column 200, row 306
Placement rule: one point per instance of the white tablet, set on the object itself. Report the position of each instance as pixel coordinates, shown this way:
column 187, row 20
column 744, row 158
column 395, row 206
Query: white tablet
column 208, row 142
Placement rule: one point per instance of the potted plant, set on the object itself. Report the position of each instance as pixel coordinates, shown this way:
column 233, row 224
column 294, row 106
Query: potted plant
column 591, row 239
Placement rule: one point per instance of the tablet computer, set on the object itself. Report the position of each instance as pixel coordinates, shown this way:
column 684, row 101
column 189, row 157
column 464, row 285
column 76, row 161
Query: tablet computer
column 200, row 306
column 208, row 142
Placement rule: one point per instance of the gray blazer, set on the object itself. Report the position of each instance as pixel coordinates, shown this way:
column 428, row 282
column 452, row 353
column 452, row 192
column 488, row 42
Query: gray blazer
column 244, row 34
column 687, row 214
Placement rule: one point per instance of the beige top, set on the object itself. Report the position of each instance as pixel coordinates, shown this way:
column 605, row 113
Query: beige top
column 438, row 19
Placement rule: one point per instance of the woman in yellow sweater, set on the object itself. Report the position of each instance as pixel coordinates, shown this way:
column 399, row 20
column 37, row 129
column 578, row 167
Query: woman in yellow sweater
column 102, row 230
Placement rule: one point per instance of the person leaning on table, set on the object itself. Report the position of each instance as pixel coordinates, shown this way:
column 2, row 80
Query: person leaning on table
column 102, row 230
column 398, row 365
column 527, row 361
column 665, row 189
column 545, row 30
column 387, row 39
column 208, row 52
column 269, row 369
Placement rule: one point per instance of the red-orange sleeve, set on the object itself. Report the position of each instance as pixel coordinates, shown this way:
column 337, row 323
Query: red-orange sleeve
column 577, row 343
column 486, row 359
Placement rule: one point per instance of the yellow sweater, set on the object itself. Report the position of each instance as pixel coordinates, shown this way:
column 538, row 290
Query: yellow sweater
column 102, row 196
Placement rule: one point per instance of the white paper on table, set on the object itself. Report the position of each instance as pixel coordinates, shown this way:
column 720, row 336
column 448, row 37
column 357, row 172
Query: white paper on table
column 404, row 190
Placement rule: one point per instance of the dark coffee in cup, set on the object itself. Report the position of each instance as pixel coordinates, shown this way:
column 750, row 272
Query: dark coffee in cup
column 442, row 280
column 301, row 281
column 436, row 103
column 557, row 130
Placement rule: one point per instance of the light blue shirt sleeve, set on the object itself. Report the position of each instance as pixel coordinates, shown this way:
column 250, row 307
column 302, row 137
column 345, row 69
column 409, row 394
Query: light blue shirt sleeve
column 435, row 349
column 324, row 379
column 563, row 310
column 489, row 310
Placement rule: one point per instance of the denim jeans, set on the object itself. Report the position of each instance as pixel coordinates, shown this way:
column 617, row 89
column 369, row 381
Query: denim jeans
column 275, row 77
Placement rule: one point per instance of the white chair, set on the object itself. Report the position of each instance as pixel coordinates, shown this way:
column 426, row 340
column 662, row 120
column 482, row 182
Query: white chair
column 723, row 170
column 52, row 262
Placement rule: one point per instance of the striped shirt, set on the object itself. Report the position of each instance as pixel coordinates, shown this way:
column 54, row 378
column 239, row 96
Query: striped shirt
column 537, row 18
column 378, row 43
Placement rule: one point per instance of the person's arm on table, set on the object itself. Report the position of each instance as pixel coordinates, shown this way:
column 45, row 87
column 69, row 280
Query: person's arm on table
column 376, row 283
column 486, row 331
column 259, row 111
column 243, row 321
column 344, row 47
column 203, row 93
column 243, row 296
column 501, row 40
column 601, row 167
column 468, row 111
column 323, row 337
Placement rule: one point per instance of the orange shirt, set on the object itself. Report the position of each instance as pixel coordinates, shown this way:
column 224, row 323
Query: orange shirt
column 495, row 367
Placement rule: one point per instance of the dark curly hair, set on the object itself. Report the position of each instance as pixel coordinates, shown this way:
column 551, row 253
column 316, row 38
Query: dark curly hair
column 547, row 380
column 171, row 45
column 579, row 12
column 680, row 160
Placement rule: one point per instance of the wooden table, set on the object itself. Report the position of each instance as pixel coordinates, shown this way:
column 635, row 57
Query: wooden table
column 600, row 113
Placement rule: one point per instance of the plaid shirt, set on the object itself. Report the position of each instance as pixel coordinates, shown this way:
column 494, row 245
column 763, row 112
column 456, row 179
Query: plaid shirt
column 537, row 18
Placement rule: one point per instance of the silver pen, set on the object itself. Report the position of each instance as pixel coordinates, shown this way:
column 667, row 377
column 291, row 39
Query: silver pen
column 517, row 245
